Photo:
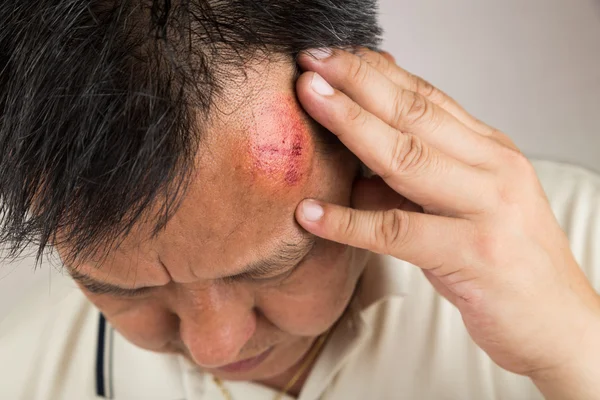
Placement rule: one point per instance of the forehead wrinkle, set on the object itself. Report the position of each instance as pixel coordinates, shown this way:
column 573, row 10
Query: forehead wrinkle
column 135, row 272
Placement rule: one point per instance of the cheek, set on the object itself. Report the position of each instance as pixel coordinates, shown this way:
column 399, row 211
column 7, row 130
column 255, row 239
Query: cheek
column 316, row 295
column 143, row 322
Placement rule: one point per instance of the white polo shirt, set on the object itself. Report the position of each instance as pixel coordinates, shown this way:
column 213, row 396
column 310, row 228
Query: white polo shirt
column 399, row 339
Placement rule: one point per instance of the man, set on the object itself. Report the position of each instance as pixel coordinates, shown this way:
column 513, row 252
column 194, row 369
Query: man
column 162, row 151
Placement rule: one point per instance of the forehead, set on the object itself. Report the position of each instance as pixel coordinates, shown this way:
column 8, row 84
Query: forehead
column 254, row 166
column 256, row 162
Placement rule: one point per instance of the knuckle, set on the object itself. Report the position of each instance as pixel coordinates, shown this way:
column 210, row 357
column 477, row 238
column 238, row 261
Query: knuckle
column 347, row 226
column 413, row 81
column 520, row 161
column 358, row 70
column 429, row 91
column 517, row 179
column 375, row 60
column 484, row 128
column 384, row 65
column 414, row 109
column 394, row 231
column 517, row 163
column 497, row 135
column 396, row 109
column 489, row 249
column 355, row 115
column 422, row 87
column 409, row 155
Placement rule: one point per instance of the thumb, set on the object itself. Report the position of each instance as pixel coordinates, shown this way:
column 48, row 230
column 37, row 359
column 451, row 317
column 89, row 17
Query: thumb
column 427, row 241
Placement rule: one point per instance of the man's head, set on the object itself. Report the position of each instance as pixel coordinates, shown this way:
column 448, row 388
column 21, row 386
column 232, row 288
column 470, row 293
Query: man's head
column 159, row 146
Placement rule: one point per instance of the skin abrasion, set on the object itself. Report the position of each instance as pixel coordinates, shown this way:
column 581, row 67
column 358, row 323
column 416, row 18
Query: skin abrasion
column 280, row 142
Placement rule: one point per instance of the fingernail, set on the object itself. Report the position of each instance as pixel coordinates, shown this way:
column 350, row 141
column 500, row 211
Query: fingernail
column 320, row 54
column 312, row 211
column 321, row 86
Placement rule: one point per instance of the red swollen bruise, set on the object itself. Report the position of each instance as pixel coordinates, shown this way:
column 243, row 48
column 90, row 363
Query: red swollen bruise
column 279, row 139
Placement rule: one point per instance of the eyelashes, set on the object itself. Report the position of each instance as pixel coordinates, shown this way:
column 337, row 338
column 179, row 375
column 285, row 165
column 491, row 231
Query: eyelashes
column 269, row 274
column 100, row 289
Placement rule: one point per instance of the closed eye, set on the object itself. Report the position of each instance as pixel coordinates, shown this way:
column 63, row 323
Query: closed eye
column 98, row 288
column 270, row 275
column 263, row 273
column 101, row 288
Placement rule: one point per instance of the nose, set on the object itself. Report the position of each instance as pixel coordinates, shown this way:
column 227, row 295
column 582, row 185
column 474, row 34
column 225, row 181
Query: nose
column 216, row 327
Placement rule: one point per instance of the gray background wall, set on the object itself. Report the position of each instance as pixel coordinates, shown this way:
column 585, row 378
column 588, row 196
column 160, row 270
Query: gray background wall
column 529, row 67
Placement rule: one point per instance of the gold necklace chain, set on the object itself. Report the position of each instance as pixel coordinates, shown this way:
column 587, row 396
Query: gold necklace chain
column 309, row 359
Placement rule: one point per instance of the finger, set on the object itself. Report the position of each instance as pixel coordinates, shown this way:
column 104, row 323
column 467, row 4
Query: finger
column 388, row 56
column 402, row 109
column 386, row 65
column 427, row 241
column 410, row 166
column 416, row 84
column 374, row 194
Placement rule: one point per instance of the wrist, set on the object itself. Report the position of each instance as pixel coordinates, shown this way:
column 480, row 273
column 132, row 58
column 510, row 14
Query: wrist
column 577, row 375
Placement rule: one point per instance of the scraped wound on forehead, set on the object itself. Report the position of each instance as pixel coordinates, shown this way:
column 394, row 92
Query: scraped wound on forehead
column 280, row 141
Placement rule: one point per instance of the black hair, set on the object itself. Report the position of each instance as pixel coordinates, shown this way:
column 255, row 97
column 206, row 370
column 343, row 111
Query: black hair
column 102, row 102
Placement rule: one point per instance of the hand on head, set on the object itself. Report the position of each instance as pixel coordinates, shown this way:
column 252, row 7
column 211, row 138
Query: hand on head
column 456, row 198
